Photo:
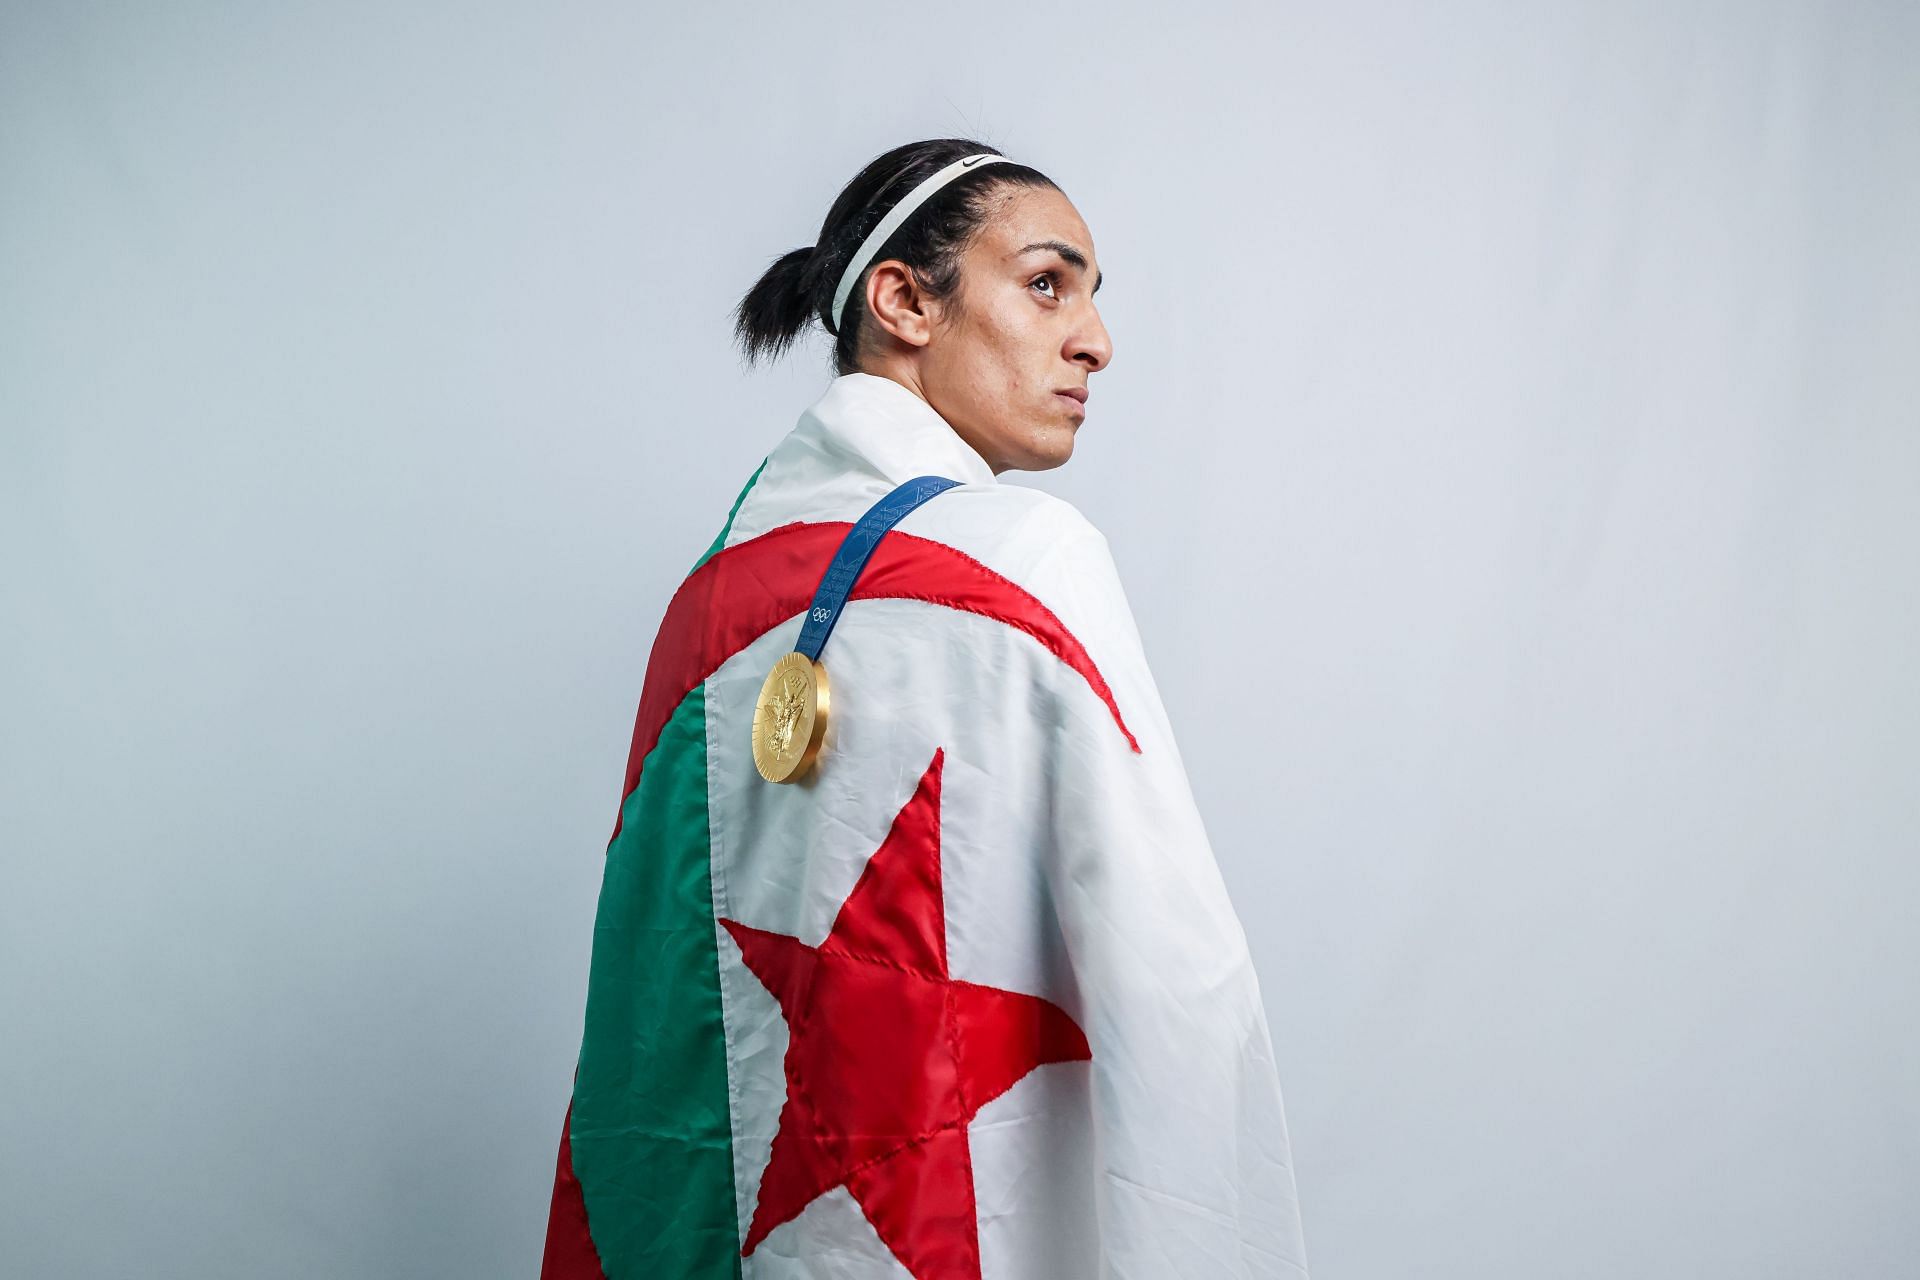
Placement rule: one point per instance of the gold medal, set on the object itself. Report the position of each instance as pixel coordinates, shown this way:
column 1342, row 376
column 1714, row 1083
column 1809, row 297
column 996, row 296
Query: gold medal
column 790, row 719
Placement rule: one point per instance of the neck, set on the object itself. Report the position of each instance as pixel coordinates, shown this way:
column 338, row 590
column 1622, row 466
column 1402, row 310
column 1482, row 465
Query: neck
column 906, row 372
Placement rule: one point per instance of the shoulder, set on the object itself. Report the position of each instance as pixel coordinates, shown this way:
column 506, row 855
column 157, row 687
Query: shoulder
column 1015, row 532
column 1044, row 548
column 1065, row 562
column 1105, row 674
column 1067, row 595
column 1068, row 550
column 1058, row 522
column 1034, row 529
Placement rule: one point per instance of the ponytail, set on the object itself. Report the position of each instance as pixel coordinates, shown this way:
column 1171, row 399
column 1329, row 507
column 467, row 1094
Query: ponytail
column 778, row 306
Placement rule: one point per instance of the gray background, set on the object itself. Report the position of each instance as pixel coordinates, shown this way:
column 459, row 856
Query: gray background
column 1510, row 451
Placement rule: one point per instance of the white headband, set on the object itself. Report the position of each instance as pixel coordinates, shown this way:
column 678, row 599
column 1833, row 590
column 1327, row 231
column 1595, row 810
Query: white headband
column 891, row 223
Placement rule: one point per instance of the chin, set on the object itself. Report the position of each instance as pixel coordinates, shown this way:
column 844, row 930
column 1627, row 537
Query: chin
column 1049, row 460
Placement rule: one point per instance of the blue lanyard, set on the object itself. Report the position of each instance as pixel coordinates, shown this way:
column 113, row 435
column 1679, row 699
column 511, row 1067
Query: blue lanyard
column 855, row 549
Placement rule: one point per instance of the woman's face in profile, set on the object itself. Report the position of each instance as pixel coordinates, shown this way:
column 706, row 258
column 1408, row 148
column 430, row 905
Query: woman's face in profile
column 1026, row 331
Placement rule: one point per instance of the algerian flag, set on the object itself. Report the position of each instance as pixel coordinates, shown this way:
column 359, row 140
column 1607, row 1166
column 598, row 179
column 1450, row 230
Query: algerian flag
column 969, row 1000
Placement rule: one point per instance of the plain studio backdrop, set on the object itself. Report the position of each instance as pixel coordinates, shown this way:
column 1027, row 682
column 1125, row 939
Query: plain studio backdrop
column 1511, row 451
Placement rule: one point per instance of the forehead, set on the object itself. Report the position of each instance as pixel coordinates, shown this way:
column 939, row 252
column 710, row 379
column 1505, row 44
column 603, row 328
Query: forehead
column 1031, row 215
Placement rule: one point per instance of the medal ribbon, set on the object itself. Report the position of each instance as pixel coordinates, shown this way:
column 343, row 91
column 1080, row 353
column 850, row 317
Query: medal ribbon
column 855, row 549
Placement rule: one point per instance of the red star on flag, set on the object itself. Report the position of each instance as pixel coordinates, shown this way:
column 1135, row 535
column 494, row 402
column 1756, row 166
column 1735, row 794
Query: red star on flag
column 888, row 1057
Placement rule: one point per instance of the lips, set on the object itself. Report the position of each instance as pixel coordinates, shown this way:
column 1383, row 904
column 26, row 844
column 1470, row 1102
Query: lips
column 1074, row 393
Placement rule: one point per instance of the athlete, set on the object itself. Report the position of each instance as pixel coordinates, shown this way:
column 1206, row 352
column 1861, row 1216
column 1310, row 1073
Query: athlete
column 912, row 957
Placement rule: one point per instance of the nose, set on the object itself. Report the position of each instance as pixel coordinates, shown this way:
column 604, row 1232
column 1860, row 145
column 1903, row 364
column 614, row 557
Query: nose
column 1090, row 344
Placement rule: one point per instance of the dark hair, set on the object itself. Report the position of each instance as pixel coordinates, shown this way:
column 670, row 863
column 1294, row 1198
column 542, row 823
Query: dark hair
column 799, row 285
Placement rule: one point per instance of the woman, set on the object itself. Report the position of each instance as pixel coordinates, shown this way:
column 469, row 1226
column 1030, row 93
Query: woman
column 966, row 995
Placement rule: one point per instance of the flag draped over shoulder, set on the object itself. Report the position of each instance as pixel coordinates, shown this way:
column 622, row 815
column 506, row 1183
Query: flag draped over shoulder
column 969, row 1000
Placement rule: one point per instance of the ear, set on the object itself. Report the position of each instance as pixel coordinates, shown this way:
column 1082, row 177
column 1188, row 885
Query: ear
column 898, row 304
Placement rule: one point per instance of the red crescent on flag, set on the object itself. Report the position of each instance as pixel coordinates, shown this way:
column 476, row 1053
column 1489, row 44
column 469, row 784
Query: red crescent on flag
column 745, row 590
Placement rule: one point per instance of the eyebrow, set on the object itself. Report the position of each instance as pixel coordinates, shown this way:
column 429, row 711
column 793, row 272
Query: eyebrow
column 1066, row 251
